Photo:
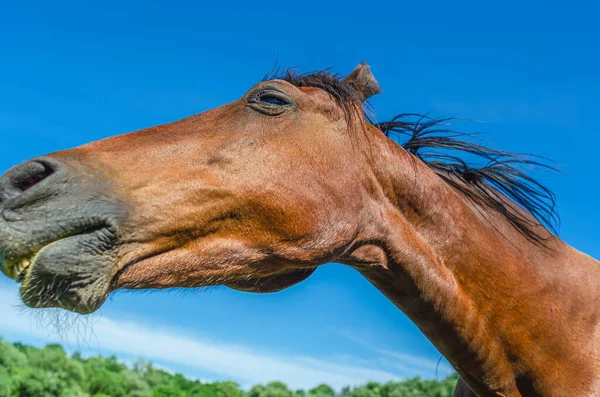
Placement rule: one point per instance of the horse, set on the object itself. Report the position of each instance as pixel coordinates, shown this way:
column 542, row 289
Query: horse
column 258, row 193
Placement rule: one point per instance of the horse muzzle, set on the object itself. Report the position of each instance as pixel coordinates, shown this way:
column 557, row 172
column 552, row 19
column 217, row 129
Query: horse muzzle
column 59, row 229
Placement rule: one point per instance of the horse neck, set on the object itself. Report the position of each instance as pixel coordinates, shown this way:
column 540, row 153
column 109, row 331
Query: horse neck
column 500, row 308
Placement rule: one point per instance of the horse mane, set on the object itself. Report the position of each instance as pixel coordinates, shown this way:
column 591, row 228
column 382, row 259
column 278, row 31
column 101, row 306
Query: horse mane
column 499, row 184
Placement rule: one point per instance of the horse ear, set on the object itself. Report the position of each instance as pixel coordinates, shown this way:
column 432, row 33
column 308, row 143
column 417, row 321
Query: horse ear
column 363, row 81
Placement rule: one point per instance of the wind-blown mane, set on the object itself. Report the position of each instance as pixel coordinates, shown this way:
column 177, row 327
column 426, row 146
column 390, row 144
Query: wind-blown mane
column 501, row 177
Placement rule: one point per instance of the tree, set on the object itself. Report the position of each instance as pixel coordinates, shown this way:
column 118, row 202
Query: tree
column 272, row 389
column 107, row 382
column 168, row 391
column 27, row 371
column 321, row 391
column 135, row 384
column 5, row 383
column 11, row 357
column 32, row 382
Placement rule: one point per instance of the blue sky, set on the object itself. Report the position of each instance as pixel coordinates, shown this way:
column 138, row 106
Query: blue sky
column 72, row 72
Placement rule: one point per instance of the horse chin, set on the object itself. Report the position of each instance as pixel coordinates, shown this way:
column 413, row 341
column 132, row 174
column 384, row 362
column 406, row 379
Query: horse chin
column 76, row 282
column 274, row 283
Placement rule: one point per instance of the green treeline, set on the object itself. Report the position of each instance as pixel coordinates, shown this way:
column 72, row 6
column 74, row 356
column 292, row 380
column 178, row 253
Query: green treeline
column 26, row 371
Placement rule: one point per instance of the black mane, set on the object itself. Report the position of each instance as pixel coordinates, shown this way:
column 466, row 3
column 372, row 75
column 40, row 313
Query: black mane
column 501, row 177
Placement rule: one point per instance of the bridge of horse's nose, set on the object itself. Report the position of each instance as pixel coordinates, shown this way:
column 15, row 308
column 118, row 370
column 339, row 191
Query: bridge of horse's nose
column 25, row 177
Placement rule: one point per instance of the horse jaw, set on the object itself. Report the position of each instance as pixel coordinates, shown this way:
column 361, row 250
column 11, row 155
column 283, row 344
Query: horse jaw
column 274, row 283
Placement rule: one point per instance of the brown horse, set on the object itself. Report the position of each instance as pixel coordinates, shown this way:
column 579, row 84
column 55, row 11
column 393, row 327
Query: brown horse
column 256, row 194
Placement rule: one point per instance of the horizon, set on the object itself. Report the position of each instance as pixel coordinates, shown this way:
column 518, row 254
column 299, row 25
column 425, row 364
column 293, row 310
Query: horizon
column 35, row 359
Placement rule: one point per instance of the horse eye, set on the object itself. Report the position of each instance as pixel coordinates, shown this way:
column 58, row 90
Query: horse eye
column 273, row 100
column 270, row 101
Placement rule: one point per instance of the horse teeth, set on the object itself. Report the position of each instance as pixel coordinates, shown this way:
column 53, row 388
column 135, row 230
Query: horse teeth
column 19, row 269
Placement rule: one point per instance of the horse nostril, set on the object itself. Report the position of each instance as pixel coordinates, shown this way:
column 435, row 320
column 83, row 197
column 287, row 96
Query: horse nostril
column 30, row 175
column 24, row 177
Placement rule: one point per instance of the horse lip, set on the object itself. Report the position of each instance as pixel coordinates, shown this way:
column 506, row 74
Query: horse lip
column 19, row 258
column 55, row 272
column 36, row 247
column 33, row 256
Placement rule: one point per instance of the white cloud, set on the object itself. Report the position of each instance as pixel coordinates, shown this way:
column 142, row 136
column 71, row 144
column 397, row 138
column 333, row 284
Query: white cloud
column 176, row 346
column 402, row 361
